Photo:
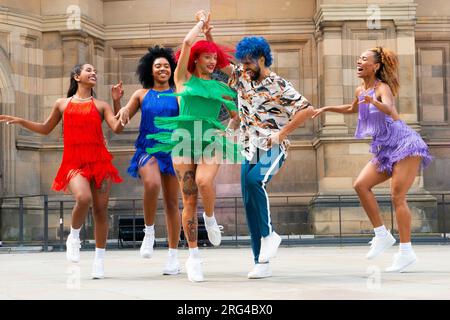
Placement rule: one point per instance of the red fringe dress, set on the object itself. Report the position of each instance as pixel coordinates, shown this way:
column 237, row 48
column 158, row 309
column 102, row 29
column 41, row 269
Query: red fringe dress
column 85, row 151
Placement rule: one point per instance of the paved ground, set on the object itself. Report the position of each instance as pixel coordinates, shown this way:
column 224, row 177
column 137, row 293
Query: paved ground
column 298, row 273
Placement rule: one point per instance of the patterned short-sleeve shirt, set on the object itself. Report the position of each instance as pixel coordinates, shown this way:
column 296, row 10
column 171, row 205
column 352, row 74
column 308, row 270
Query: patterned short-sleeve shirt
column 264, row 108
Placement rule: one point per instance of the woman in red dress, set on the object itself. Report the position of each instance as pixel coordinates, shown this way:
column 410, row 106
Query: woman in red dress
column 86, row 169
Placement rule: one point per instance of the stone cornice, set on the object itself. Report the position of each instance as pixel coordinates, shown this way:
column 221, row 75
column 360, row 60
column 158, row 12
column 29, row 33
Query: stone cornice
column 326, row 16
column 20, row 19
column 48, row 23
column 334, row 139
column 46, row 146
column 434, row 24
column 436, row 143
column 221, row 28
column 59, row 23
column 74, row 35
column 359, row 12
column 300, row 144
column 36, row 145
column 153, row 31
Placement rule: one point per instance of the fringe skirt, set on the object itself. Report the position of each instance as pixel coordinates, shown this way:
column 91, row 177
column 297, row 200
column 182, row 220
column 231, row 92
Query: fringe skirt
column 398, row 142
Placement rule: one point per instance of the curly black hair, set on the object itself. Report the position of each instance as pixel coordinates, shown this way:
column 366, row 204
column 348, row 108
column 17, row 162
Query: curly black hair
column 145, row 66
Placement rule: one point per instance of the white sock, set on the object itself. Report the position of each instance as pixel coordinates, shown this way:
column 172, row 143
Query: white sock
column 210, row 221
column 193, row 253
column 380, row 232
column 149, row 229
column 405, row 247
column 75, row 233
column 99, row 253
column 173, row 253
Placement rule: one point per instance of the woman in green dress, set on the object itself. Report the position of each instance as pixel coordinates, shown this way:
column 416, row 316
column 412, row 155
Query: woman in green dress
column 198, row 142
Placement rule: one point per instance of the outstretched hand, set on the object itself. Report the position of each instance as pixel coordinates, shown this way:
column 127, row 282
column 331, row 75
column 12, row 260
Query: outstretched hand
column 123, row 116
column 117, row 91
column 206, row 26
column 317, row 112
column 9, row 119
column 201, row 15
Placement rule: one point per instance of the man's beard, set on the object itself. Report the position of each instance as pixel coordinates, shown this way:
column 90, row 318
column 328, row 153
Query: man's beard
column 256, row 74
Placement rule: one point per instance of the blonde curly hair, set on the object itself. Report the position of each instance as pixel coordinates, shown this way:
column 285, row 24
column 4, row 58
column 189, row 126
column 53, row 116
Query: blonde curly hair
column 388, row 71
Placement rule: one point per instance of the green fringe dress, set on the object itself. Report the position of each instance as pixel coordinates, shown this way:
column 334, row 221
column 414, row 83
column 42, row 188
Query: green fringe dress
column 197, row 132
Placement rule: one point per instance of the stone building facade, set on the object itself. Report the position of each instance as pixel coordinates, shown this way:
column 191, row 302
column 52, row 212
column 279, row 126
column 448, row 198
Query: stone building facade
column 315, row 45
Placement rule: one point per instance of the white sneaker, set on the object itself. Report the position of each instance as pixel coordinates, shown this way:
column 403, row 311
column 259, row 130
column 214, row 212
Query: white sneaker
column 97, row 269
column 260, row 270
column 214, row 232
column 147, row 245
column 269, row 247
column 402, row 261
column 379, row 245
column 194, row 269
column 172, row 266
column 73, row 246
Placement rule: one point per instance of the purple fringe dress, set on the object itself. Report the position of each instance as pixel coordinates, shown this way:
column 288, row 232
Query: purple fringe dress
column 392, row 140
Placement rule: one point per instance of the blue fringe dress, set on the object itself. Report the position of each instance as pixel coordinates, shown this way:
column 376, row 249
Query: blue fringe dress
column 154, row 104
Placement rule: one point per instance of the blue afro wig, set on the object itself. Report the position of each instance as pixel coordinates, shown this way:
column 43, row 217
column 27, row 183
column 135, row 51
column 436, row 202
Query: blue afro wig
column 254, row 47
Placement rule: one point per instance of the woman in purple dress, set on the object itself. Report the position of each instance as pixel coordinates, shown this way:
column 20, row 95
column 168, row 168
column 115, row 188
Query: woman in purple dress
column 398, row 150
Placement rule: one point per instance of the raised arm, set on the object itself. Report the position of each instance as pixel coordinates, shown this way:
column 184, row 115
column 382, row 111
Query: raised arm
column 116, row 95
column 181, row 72
column 126, row 113
column 41, row 128
column 207, row 30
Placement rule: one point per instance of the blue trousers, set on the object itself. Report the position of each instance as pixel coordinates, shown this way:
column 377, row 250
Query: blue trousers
column 255, row 174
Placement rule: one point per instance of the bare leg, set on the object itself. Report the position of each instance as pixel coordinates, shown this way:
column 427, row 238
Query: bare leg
column 186, row 178
column 151, row 178
column 403, row 175
column 367, row 179
column 100, row 212
column 170, row 191
column 205, row 176
column 81, row 190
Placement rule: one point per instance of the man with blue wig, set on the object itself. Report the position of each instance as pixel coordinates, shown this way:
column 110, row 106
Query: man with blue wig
column 269, row 110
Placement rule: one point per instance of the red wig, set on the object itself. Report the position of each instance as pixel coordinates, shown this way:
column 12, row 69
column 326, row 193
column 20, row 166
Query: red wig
column 202, row 46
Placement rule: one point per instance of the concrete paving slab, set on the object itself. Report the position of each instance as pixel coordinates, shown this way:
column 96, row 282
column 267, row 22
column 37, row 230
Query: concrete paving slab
column 298, row 273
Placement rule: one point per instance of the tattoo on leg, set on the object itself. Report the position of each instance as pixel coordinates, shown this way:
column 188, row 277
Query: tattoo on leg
column 189, row 185
column 178, row 175
column 104, row 186
column 192, row 229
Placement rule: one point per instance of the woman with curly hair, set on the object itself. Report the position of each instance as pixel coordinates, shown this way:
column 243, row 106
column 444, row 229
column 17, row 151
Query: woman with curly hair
column 203, row 145
column 155, row 73
column 398, row 150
